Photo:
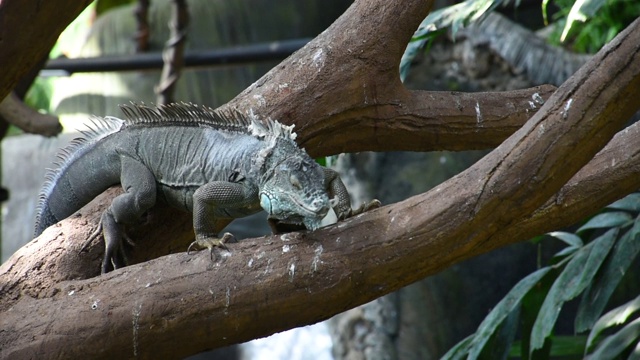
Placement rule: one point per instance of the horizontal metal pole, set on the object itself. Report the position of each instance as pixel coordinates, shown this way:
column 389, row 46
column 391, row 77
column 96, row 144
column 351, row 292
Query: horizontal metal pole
column 237, row 55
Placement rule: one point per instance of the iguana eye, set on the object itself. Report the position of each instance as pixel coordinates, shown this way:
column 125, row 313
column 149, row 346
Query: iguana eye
column 295, row 182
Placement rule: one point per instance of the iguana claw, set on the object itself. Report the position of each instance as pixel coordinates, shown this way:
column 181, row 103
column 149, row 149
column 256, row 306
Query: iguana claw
column 114, row 236
column 211, row 243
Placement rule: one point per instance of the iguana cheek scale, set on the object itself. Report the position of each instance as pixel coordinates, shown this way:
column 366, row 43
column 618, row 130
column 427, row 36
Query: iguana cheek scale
column 218, row 165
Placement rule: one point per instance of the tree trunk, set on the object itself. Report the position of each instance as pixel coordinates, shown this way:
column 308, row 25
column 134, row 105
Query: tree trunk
column 543, row 176
column 28, row 31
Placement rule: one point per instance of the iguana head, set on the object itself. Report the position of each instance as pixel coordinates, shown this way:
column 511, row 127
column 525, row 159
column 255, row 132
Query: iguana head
column 293, row 192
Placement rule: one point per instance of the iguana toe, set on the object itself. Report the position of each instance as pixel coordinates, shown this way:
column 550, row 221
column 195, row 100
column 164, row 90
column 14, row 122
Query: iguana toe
column 209, row 242
column 366, row 206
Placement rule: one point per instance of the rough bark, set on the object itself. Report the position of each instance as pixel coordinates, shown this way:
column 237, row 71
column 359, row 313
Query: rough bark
column 24, row 45
column 178, row 304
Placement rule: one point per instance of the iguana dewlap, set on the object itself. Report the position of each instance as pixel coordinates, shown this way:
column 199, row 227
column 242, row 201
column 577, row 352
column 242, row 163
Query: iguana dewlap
column 219, row 166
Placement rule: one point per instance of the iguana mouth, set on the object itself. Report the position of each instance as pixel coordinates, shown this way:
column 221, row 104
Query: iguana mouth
column 320, row 212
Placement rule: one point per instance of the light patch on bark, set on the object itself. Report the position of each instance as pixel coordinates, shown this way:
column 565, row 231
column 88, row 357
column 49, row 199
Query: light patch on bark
column 260, row 101
column 318, row 59
column 267, row 269
column 537, row 98
column 316, row 259
column 285, row 237
column 136, row 316
column 292, row 271
column 567, row 106
column 478, row 113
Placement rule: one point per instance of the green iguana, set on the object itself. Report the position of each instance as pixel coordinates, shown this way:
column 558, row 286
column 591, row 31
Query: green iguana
column 218, row 165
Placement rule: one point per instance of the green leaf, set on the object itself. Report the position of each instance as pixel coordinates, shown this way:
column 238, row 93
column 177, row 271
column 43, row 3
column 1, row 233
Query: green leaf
column 500, row 342
column 575, row 277
column 597, row 295
column 562, row 346
column 581, row 11
column 607, row 220
column 502, row 310
column 568, row 346
column 614, row 317
column 545, row 16
column 635, row 354
column 589, row 7
column 460, row 350
column 569, row 238
column 615, row 344
column 566, row 251
column 531, row 304
column 630, row 202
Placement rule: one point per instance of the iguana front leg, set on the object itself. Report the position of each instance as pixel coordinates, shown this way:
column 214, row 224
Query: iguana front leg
column 340, row 200
column 211, row 202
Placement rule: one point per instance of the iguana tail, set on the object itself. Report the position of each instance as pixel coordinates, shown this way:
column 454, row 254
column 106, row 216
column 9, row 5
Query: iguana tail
column 84, row 169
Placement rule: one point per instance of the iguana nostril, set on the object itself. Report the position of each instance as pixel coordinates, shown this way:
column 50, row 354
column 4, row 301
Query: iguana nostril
column 320, row 206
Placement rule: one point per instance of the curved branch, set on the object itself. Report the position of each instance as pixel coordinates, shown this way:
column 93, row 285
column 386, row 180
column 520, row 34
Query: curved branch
column 341, row 63
column 15, row 112
column 613, row 173
column 425, row 121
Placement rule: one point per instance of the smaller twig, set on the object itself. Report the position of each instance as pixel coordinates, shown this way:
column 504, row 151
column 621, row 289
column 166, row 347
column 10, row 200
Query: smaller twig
column 173, row 54
column 29, row 120
column 142, row 35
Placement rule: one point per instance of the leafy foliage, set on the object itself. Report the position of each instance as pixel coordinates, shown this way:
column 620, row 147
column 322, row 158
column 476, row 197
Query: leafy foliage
column 589, row 24
column 454, row 17
column 602, row 250
column 585, row 24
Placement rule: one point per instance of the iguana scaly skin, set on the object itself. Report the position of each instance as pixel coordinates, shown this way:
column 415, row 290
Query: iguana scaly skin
column 220, row 166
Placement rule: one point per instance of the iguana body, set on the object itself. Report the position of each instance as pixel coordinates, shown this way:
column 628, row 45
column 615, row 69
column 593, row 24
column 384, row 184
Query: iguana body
column 220, row 166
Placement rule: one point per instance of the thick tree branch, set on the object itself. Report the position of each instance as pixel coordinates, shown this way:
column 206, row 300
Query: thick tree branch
column 24, row 45
column 611, row 174
column 364, row 73
column 177, row 305
column 426, row 121
column 593, row 187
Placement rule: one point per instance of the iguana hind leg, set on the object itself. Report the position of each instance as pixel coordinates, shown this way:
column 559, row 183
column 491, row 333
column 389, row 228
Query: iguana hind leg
column 139, row 185
column 341, row 202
